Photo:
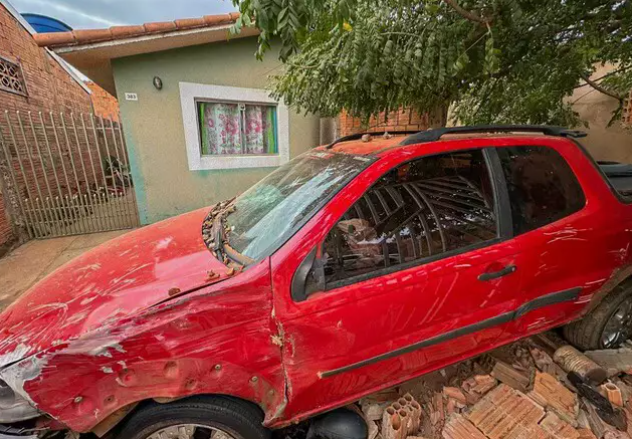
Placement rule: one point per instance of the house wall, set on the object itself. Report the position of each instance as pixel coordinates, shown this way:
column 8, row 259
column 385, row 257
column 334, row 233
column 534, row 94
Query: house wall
column 154, row 128
column 50, row 88
column 612, row 143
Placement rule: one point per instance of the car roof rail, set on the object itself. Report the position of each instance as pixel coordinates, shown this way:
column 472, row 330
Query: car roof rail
column 358, row 136
column 436, row 134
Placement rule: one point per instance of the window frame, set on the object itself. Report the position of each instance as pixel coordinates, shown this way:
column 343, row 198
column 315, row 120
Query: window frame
column 513, row 234
column 502, row 210
column 191, row 94
column 22, row 78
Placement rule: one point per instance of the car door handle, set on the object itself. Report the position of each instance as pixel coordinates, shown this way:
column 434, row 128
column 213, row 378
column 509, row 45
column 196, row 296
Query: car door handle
column 496, row 274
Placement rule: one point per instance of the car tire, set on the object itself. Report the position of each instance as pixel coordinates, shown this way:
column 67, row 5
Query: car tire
column 235, row 418
column 591, row 332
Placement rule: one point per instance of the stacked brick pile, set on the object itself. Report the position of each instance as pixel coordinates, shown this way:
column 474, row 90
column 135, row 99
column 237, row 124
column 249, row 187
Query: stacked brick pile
column 522, row 391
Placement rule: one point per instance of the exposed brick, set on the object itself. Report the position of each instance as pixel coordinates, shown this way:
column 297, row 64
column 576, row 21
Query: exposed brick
column 558, row 428
column 49, row 87
column 550, row 393
column 507, row 413
column 105, row 105
column 460, row 428
column 397, row 120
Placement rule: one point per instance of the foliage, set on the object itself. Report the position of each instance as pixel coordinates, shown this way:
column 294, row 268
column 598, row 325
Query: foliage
column 492, row 60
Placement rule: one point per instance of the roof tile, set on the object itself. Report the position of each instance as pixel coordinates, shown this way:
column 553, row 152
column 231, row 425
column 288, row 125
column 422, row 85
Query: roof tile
column 188, row 23
column 160, row 26
column 54, row 38
column 126, row 31
column 89, row 35
column 214, row 20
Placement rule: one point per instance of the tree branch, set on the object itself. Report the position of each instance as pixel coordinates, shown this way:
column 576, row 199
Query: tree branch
column 465, row 13
column 602, row 89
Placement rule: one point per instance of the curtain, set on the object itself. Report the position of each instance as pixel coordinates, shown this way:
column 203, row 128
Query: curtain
column 227, row 130
column 221, row 128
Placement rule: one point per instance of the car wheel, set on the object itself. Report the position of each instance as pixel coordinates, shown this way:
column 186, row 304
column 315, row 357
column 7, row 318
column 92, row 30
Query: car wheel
column 216, row 417
column 608, row 325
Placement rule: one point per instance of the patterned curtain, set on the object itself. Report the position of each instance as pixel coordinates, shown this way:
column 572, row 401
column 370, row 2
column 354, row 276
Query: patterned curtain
column 260, row 130
column 221, row 132
column 225, row 129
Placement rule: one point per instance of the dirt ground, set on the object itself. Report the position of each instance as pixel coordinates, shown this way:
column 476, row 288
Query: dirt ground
column 32, row 261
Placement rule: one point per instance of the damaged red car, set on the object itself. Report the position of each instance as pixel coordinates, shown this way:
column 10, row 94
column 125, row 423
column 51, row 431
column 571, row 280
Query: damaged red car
column 352, row 268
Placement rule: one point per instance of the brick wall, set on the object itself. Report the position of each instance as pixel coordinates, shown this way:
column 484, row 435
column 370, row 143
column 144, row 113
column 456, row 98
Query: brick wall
column 401, row 120
column 105, row 105
column 49, row 86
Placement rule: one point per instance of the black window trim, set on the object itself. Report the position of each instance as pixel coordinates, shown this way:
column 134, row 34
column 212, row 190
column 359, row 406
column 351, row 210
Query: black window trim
column 502, row 210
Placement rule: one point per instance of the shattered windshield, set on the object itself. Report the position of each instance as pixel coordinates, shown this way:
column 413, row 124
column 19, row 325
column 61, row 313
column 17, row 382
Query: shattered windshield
column 271, row 211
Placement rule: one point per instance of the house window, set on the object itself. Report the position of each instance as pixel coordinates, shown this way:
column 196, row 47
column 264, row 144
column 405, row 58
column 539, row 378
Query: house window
column 233, row 127
column 11, row 77
column 237, row 128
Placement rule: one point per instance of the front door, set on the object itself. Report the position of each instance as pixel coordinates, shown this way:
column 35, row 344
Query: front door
column 414, row 275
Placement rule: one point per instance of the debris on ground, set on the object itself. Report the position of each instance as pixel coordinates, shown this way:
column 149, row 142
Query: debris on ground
column 536, row 388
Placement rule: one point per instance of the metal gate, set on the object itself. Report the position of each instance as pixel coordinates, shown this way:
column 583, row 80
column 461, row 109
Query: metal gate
column 65, row 174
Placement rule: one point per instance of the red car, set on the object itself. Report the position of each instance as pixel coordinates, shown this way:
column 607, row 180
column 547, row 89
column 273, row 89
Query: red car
column 352, row 268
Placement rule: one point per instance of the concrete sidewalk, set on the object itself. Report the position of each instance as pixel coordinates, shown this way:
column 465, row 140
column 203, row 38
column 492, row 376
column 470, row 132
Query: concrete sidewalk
column 32, row 261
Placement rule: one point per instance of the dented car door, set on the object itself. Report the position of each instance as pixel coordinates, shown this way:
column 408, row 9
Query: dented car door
column 387, row 293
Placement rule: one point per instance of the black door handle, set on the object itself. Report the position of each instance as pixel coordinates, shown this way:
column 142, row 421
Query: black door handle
column 496, row 274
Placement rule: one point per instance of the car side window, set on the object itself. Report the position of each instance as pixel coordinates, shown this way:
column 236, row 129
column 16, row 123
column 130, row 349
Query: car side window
column 542, row 187
column 421, row 209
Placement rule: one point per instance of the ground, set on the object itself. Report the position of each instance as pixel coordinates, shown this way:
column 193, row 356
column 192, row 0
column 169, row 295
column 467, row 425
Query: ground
column 29, row 263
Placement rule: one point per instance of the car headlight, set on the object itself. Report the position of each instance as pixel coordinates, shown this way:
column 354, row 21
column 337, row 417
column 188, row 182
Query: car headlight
column 15, row 404
column 13, row 407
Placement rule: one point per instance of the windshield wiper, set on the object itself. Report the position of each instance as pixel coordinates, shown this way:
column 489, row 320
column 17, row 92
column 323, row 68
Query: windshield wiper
column 214, row 233
column 217, row 235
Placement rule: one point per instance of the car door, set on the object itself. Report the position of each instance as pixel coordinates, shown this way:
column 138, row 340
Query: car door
column 407, row 270
column 568, row 231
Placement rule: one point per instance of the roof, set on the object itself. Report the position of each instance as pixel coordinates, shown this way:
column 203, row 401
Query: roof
column 91, row 51
column 78, row 37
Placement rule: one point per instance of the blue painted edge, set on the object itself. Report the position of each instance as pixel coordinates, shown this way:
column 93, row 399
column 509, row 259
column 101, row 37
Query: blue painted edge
column 137, row 175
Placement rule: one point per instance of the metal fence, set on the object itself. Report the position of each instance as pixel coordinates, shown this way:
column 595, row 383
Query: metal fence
column 65, row 174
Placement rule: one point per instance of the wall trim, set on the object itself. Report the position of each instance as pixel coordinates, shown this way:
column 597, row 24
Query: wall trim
column 189, row 92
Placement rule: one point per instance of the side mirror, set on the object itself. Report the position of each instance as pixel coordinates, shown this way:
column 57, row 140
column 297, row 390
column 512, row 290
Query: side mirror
column 309, row 277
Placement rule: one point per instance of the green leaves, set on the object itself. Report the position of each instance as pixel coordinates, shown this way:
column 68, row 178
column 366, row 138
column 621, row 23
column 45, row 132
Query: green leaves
column 514, row 61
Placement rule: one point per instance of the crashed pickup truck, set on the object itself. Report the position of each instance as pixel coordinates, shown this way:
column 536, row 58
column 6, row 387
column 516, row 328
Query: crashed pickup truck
column 352, row 268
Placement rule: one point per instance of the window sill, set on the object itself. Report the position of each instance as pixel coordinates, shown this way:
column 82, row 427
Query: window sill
column 207, row 162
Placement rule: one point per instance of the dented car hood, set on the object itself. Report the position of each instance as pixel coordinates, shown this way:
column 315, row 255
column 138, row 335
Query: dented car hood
column 112, row 281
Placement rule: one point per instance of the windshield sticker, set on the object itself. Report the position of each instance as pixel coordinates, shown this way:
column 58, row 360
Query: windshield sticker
column 362, row 159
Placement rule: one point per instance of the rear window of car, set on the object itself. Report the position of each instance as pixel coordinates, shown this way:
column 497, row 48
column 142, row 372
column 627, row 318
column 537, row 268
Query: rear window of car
column 542, row 186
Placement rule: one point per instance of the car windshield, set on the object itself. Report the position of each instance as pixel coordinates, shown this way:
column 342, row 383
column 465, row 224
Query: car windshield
column 271, row 211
